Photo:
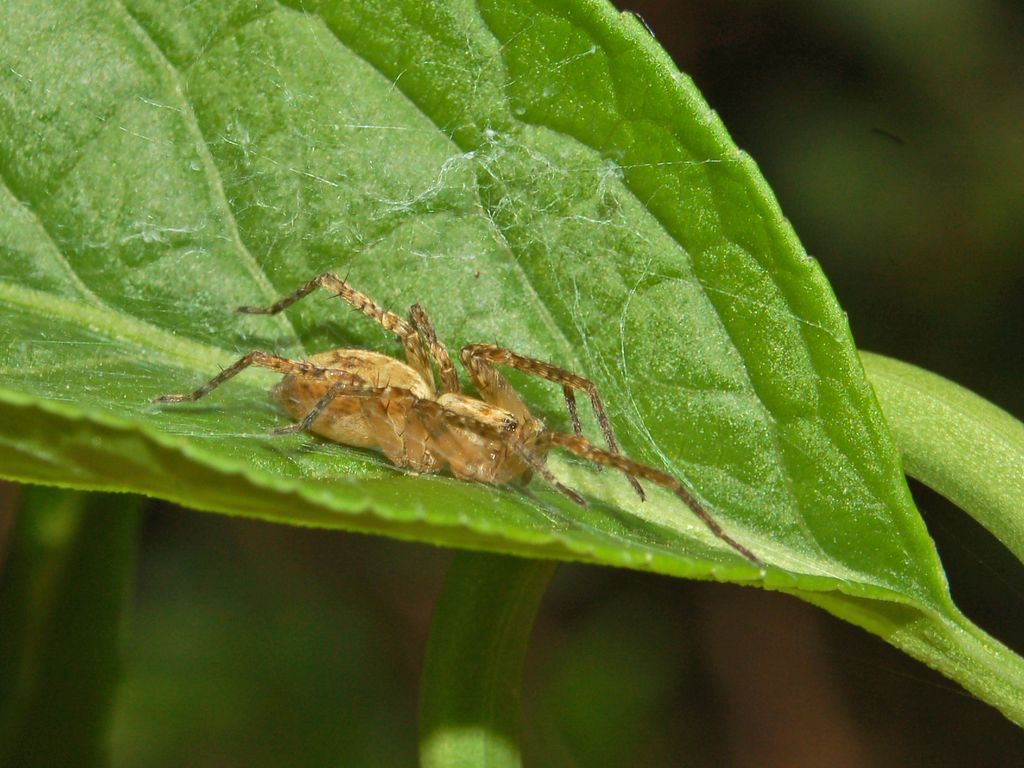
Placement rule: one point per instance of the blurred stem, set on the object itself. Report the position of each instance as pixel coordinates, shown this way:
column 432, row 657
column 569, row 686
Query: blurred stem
column 62, row 595
column 950, row 644
column 470, row 692
column 956, row 443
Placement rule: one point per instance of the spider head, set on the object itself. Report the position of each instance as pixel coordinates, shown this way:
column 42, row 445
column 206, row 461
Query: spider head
column 489, row 442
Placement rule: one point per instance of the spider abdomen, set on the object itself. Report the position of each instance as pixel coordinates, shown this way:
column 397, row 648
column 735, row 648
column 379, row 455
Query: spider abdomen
column 386, row 421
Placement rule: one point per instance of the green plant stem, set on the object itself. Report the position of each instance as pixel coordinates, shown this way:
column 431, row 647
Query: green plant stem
column 469, row 707
column 61, row 599
column 956, row 443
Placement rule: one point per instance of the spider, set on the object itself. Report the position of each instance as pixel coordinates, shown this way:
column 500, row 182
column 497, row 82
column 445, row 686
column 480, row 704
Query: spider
column 366, row 399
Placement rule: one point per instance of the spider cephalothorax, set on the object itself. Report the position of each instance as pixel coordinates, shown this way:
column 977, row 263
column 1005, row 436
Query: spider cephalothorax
column 369, row 400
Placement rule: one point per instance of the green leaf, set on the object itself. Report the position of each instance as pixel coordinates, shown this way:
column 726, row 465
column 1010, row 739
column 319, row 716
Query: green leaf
column 61, row 600
column 535, row 173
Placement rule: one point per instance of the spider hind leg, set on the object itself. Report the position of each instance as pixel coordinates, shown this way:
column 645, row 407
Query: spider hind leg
column 389, row 321
column 256, row 358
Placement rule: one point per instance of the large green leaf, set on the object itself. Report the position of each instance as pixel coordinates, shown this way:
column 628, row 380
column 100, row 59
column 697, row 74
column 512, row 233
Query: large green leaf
column 535, row 173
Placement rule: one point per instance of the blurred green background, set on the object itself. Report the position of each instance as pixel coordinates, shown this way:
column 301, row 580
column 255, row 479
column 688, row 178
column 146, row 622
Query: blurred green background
column 893, row 135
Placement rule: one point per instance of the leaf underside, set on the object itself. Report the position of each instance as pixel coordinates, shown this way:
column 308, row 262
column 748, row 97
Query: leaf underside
column 535, row 174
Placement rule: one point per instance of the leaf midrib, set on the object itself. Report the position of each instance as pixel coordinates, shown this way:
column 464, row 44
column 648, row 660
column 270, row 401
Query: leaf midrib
column 212, row 172
column 178, row 351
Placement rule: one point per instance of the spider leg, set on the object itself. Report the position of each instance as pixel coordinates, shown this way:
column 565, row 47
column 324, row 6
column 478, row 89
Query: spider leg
column 260, row 360
column 480, row 359
column 421, row 322
column 346, row 384
column 388, row 320
column 586, row 450
column 438, row 419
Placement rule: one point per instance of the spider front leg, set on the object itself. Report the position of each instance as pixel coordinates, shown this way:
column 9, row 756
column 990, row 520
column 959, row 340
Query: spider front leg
column 480, row 359
column 586, row 450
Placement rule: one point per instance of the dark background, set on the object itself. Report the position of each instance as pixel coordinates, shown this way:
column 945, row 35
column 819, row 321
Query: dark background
column 892, row 137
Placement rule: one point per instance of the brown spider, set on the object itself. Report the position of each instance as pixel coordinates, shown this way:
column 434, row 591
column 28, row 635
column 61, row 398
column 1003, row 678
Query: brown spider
column 368, row 400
